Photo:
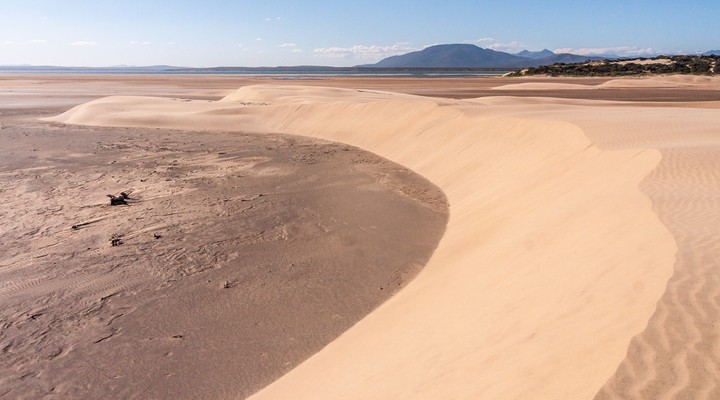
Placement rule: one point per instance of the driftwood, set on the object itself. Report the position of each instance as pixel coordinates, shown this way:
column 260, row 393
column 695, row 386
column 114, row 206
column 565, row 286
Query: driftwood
column 116, row 240
column 119, row 200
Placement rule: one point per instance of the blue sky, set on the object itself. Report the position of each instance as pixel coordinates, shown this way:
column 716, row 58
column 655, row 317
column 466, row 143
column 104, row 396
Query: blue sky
column 268, row 33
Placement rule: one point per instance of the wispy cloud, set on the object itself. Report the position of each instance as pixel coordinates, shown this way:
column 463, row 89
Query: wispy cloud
column 141, row 43
column 8, row 42
column 623, row 51
column 365, row 52
column 290, row 46
column 84, row 43
column 37, row 41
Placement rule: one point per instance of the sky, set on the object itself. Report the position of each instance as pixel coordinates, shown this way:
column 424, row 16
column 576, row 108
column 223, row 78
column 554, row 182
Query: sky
column 205, row 33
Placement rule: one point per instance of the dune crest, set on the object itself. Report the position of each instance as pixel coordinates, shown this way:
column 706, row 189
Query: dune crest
column 552, row 259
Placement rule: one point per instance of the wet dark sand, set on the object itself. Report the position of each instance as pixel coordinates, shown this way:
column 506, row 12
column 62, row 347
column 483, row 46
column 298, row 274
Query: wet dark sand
column 238, row 255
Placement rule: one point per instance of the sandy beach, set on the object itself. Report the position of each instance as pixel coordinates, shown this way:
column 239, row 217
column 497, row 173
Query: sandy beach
column 368, row 237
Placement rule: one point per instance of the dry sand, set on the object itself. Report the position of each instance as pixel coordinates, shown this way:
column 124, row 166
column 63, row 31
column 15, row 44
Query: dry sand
column 580, row 255
column 238, row 256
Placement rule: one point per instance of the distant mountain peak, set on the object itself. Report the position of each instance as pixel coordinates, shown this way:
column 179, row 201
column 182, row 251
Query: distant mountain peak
column 712, row 53
column 535, row 55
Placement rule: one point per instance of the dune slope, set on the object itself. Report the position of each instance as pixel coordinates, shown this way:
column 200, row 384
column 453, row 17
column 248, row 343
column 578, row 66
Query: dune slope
column 552, row 259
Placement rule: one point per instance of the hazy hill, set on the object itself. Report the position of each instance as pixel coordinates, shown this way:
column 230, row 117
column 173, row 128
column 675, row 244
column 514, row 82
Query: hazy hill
column 454, row 56
column 712, row 53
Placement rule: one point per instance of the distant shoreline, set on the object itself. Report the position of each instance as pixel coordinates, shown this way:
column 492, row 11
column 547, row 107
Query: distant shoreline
column 274, row 71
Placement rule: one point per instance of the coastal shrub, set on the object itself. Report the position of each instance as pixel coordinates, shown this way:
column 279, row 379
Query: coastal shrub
column 681, row 64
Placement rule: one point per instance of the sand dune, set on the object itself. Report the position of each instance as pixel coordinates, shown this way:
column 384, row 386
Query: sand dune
column 552, row 259
column 699, row 82
column 543, row 86
column 674, row 356
column 671, row 81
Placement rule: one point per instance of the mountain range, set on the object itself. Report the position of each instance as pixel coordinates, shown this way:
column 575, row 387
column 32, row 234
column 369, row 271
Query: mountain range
column 471, row 56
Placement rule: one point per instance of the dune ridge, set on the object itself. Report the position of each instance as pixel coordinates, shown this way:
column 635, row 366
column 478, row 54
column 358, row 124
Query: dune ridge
column 674, row 356
column 665, row 82
column 552, row 259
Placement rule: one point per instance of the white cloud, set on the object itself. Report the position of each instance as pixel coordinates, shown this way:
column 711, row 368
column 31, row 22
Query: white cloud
column 622, row 51
column 267, row 19
column 84, row 43
column 8, row 42
column 372, row 52
column 291, row 46
column 37, row 41
column 258, row 39
column 143, row 43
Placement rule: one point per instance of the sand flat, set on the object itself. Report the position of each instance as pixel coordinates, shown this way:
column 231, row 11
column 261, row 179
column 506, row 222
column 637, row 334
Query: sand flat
column 237, row 257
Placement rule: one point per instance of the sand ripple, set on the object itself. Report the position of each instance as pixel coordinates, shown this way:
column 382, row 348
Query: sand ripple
column 677, row 356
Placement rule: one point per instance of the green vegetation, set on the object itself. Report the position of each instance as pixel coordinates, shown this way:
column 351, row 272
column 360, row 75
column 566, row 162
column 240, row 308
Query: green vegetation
column 695, row 65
